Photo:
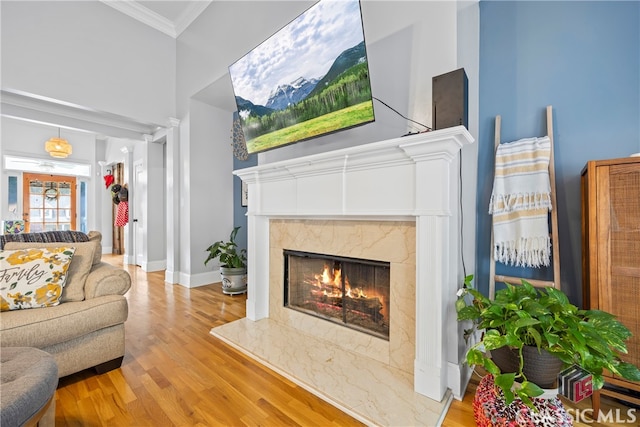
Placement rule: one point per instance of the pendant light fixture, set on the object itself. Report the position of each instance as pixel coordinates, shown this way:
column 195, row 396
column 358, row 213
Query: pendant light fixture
column 58, row 147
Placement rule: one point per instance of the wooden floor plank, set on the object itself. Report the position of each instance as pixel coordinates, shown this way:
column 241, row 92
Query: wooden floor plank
column 175, row 373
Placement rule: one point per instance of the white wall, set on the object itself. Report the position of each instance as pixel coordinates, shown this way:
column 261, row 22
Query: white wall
column 208, row 189
column 408, row 42
column 155, row 202
column 89, row 54
column 183, row 221
column 103, row 217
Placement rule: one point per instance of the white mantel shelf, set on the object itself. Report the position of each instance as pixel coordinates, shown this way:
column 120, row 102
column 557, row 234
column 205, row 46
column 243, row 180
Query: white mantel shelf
column 376, row 179
column 413, row 177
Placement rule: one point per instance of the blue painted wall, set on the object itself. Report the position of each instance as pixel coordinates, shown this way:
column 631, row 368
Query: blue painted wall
column 239, row 211
column 581, row 57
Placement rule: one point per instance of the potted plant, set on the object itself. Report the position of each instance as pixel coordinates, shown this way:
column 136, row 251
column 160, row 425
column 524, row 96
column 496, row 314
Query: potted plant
column 233, row 264
column 527, row 320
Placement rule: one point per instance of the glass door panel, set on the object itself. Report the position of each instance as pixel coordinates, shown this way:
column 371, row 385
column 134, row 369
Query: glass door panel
column 50, row 201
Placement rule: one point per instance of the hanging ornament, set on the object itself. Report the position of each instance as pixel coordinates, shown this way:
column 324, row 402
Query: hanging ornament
column 237, row 137
column 108, row 180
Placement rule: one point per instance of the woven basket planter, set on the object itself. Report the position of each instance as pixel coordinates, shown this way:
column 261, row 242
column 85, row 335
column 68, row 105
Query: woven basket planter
column 541, row 368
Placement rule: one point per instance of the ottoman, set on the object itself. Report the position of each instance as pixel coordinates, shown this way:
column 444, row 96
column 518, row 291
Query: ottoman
column 29, row 378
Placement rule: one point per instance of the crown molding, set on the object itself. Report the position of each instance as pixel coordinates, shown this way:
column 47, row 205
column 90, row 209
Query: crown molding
column 190, row 14
column 145, row 15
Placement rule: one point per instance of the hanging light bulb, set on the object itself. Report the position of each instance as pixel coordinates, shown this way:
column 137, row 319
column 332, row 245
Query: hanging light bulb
column 58, row 147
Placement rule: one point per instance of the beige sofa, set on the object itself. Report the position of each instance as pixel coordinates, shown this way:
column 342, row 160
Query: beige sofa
column 86, row 330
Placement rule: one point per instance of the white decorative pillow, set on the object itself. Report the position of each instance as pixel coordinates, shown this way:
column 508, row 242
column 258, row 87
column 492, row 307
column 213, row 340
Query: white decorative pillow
column 34, row 277
column 78, row 270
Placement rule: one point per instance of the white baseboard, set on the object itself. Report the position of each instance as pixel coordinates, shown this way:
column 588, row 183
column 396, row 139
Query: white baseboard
column 172, row 277
column 200, row 279
column 154, row 266
column 458, row 377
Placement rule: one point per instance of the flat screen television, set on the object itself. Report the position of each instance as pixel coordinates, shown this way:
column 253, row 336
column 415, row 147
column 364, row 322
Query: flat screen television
column 309, row 79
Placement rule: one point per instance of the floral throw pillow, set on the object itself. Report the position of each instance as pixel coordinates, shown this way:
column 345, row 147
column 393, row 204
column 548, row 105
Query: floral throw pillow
column 33, row 277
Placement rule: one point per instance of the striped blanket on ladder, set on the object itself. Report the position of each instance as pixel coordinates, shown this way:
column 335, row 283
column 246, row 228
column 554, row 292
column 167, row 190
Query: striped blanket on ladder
column 520, row 203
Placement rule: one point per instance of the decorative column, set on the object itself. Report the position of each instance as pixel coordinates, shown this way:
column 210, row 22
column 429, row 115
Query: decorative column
column 258, row 252
column 172, row 194
column 430, row 368
column 436, row 209
column 258, row 267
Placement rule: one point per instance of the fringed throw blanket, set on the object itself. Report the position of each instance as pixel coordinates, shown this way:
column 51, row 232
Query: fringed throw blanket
column 520, row 203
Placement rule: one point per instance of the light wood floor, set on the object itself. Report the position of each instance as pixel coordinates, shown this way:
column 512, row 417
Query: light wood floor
column 176, row 374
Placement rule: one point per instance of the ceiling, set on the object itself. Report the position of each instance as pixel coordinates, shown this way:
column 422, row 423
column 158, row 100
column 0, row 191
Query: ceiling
column 171, row 17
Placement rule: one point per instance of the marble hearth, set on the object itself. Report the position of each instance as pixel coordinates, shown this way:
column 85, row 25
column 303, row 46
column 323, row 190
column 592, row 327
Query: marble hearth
column 394, row 201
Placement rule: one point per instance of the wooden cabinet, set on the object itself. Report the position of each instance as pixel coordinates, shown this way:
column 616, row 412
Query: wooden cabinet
column 611, row 253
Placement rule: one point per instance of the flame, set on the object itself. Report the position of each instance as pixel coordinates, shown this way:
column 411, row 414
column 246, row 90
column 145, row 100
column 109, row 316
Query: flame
column 331, row 293
column 330, row 283
column 325, row 275
column 354, row 292
column 332, row 278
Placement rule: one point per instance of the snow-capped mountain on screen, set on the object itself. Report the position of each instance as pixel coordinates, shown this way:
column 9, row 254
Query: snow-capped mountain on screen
column 291, row 93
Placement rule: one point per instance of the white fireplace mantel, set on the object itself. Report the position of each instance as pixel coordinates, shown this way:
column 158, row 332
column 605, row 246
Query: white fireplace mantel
column 413, row 177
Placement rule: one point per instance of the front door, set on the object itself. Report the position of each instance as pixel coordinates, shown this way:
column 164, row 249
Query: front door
column 49, row 202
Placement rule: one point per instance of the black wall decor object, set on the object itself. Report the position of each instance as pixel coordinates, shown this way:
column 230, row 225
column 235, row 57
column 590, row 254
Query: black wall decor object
column 450, row 95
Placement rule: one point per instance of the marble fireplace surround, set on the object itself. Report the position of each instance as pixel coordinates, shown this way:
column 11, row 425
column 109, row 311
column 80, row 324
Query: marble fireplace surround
column 395, row 200
column 389, row 241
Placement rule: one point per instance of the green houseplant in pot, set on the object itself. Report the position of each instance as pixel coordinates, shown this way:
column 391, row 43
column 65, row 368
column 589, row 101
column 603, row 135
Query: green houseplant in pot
column 233, row 264
column 528, row 321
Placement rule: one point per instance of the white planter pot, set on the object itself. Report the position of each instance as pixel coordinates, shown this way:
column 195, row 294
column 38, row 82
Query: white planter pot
column 234, row 280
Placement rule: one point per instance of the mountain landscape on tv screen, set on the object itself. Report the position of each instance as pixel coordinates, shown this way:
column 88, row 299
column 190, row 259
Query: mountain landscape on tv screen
column 310, row 78
column 290, row 94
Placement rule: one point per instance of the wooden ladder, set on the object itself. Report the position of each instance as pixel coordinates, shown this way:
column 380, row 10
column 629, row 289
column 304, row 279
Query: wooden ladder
column 493, row 277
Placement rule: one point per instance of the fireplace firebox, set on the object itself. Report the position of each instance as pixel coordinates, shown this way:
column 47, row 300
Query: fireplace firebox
column 352, row 292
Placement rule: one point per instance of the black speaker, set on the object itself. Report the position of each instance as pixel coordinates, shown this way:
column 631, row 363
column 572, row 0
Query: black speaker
column 450, row 95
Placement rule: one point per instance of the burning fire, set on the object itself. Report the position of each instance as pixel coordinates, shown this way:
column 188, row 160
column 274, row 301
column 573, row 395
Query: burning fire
column 330, row 295
column 330, row 284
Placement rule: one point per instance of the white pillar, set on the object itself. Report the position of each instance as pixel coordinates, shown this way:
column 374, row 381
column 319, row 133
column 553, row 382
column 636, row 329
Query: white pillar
column 257, row 266
column 430, row 370
column 172, row 153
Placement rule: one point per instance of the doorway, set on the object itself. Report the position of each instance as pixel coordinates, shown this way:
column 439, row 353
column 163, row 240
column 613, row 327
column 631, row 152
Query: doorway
column 49, row 202
column 117, row 232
